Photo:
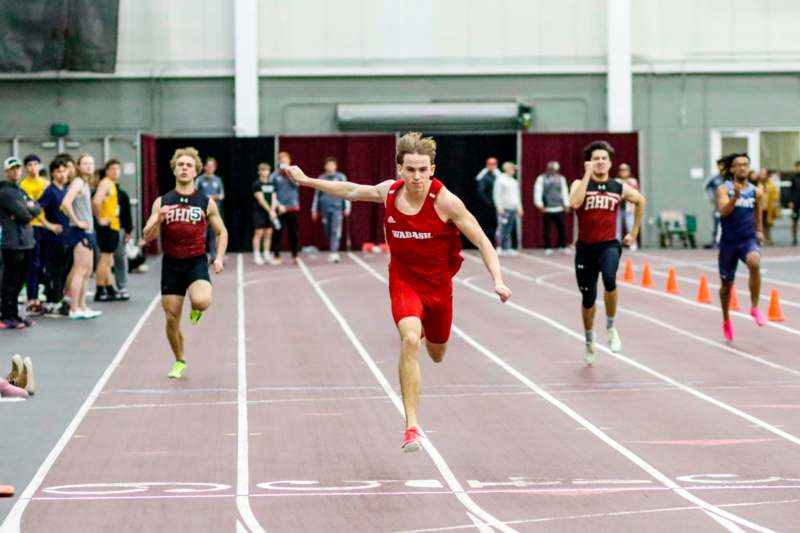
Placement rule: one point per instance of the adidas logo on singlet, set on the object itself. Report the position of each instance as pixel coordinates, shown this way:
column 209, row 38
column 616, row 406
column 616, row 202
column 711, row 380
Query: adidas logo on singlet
column 390, row 220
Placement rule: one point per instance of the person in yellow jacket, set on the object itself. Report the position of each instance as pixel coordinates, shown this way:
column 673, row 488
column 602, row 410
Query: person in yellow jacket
column 105, row 205
column 34, row 185
column 772, row 202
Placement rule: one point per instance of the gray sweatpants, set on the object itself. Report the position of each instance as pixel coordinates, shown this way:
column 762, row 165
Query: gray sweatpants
column 332, row 224
column 121, row 263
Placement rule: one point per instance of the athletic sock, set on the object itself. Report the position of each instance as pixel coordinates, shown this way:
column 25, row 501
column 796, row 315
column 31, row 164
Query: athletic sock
column 589, row 335
column 609, row 322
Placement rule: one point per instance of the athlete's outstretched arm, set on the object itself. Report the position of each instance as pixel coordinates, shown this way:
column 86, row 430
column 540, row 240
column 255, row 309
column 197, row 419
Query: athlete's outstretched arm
column 577, row 192
column 453, row 208
column 629, row 194
column 218, row 226
column 346, row 190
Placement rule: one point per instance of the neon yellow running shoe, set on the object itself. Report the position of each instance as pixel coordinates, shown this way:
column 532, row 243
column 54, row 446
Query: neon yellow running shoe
column 177, row 370
column 195, row 315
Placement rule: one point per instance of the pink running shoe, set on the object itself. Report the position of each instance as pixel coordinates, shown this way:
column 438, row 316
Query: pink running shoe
column 727, row 329
column 7, row 390
column 756, row 313
column 411, row 440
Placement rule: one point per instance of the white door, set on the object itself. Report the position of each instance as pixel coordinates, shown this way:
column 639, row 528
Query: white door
column 726, row 141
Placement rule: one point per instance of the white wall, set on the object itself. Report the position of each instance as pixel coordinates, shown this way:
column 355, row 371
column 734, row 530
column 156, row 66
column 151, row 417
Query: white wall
column 709, row 35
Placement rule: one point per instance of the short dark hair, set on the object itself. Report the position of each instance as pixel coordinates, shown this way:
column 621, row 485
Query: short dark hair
column 31, row 157
column 112, row 162
column 67, row 158
column 57, row 162
column 727, row 161
column 331, row 159
column 210, row 159
column 598, row 145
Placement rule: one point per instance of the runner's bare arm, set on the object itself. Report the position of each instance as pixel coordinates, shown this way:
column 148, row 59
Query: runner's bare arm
column 151, row 229
column 221, row 232
column 758, row 211
column 97, row 202
column 629, row 194
column 725, row 203
column 346, row 190
column 577, row 191
column 456, row 212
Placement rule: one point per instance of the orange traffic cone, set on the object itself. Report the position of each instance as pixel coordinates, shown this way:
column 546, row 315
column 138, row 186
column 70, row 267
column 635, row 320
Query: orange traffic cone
column 647, row 277
column 703, row 294
column 672, row 282
column 629, row 277
column 733, row 304
column 775, row 312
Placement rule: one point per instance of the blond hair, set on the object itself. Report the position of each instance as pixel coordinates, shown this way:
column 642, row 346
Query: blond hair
column 191, row 152
column 414, row 143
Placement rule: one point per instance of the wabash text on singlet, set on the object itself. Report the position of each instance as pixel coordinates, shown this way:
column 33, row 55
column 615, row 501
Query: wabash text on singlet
column 740, row 225
column 597, row 216
column 425, row 250
column 184, row 228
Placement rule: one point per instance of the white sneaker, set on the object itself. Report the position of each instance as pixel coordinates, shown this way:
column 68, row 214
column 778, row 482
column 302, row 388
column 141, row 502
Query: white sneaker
column 512, row 252
column 258, row 259
column 89, row 314
column 614, row 342
column 588, row 352
column 565, row 251
column 500, row 252
column 76, row 315
column 548, row 251
column 334, row 258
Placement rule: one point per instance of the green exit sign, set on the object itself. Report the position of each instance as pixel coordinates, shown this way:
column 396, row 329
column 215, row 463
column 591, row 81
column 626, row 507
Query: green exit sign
column 59, row 130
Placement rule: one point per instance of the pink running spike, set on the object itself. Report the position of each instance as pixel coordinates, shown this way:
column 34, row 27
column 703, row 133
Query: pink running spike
column 756, row 313
column 7, row 390
column 727, row 329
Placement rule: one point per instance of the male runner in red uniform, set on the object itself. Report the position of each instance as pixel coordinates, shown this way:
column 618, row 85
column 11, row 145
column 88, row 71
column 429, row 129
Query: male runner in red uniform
column 596, row 199
column 422, row 224
column 184, row 213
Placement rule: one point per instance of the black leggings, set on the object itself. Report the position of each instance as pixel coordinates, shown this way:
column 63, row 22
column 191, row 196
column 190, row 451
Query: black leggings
column 556, row 219
column 15, row 269
column 57, row 262
column 289, row 223
column 591, row 260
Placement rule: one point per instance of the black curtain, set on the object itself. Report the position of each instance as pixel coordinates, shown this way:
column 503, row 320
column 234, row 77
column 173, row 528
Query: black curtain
column 238, row 160
column 39, row 35
column 460, row 158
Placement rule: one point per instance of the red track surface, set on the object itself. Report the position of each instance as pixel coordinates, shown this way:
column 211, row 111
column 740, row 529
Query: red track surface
column 683, row 432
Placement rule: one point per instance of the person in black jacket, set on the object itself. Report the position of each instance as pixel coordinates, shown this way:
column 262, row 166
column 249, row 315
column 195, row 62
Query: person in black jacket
column 120, row 256
column 16, row 212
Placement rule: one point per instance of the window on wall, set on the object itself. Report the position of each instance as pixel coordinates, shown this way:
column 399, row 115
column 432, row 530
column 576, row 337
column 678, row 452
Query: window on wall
column 780, row 150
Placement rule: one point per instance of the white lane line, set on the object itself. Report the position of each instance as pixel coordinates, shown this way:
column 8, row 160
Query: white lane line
column 605, row 515
column 596, row 431
column 541, row 280
column 13, row 520
column 428, row 446
column 686, row 301
column 243, row 433
column 644, row 368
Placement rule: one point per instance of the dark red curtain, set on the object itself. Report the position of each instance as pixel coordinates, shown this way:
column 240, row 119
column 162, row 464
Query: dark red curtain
column 149, row 166
column 363, row 159
column 567, row 149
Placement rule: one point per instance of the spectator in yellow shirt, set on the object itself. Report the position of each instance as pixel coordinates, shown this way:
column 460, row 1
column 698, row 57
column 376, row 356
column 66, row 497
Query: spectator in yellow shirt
column 34, row 185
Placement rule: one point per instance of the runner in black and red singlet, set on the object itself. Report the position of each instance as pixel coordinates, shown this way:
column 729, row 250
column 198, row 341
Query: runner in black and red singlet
column 596, row 199
column 181, row 216
column 422, row 222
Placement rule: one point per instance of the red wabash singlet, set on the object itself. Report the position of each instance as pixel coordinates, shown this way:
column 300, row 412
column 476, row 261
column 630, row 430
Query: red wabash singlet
column 425, row 251
column 183, row 233
column 597, row 217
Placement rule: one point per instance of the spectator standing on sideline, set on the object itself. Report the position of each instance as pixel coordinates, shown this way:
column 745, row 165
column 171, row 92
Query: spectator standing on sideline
column 485, row 179
column 17, row 210
column 711, row 185
column 105, row 205
column 288, row 208
column 627, row 211
column 210, row 185
column 551, row 198
column 771, row 196
column 125, row 235
column 794, row 201
column 332, row 209
column 77, row 205
column 56, row 257
column 34, row 185
column 508, row 201
column 264, row 215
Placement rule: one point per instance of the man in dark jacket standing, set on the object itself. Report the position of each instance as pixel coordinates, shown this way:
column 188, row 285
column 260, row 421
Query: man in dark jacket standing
column 17, row 211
